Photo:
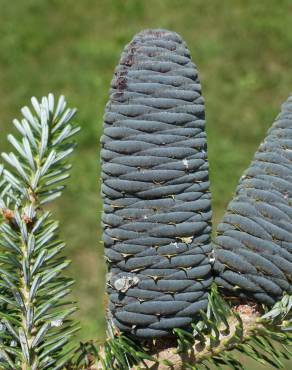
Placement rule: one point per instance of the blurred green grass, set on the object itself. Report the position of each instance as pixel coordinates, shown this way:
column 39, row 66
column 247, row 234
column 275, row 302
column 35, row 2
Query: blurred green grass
column 242, row 48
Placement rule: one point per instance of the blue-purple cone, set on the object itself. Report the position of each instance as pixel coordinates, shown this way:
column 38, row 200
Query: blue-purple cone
column 253, row 249
column 157, row 204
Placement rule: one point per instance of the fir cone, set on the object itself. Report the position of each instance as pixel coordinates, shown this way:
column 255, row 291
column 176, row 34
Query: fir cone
column 157, row 206
column 253, row 249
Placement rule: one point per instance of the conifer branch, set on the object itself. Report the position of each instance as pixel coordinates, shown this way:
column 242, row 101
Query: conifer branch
column 223, row 332
column 36, row 324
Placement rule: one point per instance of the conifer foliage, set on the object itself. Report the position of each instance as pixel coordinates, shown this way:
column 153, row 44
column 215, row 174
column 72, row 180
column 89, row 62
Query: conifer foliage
column 35, row 313
column 175, row 303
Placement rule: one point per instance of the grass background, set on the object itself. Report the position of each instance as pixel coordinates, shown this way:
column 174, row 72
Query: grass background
column 242, row 48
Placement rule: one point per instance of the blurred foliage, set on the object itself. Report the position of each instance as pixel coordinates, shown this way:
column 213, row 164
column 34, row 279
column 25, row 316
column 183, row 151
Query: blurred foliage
column 242, row 48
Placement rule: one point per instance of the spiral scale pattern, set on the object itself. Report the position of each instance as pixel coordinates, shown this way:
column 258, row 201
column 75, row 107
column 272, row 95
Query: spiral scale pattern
column 253, row 249
column 157, row 206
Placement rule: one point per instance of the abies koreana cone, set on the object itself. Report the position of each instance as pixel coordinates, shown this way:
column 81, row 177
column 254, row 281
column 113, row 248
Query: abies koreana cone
column 157, row 204
column 253, row 248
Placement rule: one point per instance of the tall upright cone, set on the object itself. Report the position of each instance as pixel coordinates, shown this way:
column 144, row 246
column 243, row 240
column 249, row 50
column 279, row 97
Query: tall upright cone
column 253, row 248
column 157, row 207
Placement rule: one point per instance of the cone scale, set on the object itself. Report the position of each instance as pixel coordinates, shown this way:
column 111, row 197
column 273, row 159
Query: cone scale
column 253, row 249
column 155, row 186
